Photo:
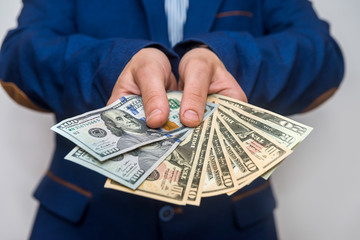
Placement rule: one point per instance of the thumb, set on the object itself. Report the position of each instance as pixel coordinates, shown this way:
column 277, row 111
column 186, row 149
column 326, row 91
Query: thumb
column 152, row 83
column 196, row 85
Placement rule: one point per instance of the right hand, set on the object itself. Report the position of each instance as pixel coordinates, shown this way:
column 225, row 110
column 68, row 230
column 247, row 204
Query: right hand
column 148, row 74
column 201, row 72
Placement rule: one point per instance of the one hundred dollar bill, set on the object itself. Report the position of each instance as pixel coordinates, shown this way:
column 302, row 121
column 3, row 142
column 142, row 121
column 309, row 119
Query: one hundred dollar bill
column 131, row 168
column 174, row 98
column 171, row 180
column 120, row 127
column 110, row 131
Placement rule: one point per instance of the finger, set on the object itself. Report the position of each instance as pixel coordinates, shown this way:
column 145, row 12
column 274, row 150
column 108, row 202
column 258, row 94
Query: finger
column 234, row 93
column 152, row 80
column 197, row 78
column 171, row 84
column 225, row 84
column 124, row 86
column 181, row 84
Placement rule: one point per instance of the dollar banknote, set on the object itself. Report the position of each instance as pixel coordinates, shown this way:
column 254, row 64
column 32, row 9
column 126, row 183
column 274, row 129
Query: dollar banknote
column 235, row 144
column 131, row 168
column 268, row 117
column 172, row 179
column 286, row 131
column 244, row 165
column 284, row 136
column 265, row 149
column 203, row 151
column 219, row 177
column 174, row 98
column 121, row 127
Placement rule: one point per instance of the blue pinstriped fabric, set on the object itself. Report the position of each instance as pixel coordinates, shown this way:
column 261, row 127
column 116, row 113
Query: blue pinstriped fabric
column 176, row 16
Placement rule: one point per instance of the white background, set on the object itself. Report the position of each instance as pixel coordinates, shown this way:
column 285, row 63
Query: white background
column 316, row 187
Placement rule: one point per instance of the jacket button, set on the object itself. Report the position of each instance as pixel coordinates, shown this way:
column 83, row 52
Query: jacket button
column 166, row 213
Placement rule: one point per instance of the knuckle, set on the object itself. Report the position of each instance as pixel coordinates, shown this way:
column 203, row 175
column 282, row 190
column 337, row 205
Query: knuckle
column 195, row 66
column 225, row 77
column 200, row 64
column 223, row 73
column 152, row 72
column 146, row 70
column 125, row 76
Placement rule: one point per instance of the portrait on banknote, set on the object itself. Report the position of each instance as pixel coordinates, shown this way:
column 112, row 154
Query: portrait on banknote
column 148, row 155
column 129, row 129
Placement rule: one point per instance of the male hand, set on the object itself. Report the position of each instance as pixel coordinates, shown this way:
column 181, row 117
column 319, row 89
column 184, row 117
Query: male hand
column 201, row 73
column 148, row 74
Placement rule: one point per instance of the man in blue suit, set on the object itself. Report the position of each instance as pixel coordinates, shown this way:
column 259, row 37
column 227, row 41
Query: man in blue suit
column 70, row 56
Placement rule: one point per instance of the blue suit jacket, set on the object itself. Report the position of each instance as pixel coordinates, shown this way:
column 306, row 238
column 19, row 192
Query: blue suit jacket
column 66, row 55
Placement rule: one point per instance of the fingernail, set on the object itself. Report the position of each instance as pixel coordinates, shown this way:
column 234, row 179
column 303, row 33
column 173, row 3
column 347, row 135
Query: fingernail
column 154, row 113
column 191, row 115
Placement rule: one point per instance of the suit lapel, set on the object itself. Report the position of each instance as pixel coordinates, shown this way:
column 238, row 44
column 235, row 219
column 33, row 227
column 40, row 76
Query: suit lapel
column 200, row 16
column 157, row 22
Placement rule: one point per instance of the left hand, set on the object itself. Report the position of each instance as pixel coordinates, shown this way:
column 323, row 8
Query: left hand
column 201, row 73
column 148, row 74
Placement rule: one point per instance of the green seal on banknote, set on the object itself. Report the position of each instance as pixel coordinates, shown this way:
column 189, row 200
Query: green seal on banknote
column 174, row 103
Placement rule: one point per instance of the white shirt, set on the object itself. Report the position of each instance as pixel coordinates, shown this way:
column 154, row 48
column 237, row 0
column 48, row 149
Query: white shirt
column 175, row 11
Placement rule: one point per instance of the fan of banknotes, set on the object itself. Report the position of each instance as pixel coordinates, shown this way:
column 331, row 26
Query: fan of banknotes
column 236, row 143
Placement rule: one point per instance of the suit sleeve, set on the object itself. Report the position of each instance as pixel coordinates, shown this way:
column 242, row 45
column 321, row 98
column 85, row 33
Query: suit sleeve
column 286, row 69
column 58, row 68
